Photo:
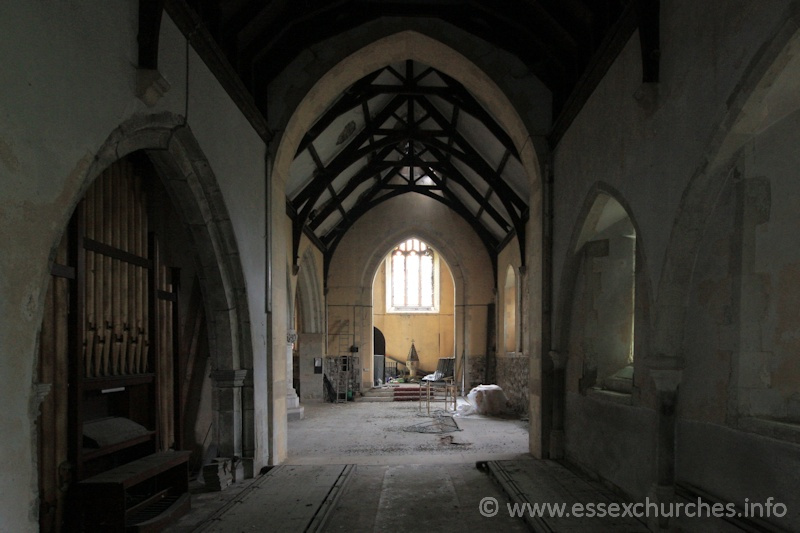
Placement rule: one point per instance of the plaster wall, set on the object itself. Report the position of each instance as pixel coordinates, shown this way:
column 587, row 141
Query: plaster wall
column 611, row 441
column 310, row 318
column 310, row 347
column 433, row 333
column 664, row 136
column 739, row 395
column 62, row 97
column 766, row 468
column 656, row 148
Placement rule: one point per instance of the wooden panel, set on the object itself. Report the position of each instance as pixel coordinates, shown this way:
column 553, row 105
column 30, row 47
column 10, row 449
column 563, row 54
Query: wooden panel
column 52, row 423
column 107, row 340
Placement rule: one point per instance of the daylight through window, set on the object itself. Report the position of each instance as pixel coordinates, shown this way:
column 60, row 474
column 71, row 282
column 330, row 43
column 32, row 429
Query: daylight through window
column 412, row 278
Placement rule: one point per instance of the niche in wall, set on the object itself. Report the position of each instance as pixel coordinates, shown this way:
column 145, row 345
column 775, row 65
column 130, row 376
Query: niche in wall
column 510, row 311
column 414, row 299
column 112, row 352
column 602, row 329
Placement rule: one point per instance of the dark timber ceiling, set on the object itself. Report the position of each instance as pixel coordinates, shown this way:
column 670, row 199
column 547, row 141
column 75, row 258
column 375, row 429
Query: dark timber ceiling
column 408, row 128
column 558, row 40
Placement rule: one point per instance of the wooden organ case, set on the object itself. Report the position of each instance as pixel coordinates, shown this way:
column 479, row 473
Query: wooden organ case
column 109, row 427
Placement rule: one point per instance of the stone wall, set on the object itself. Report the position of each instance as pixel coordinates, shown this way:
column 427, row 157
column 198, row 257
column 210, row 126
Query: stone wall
column 512, row 376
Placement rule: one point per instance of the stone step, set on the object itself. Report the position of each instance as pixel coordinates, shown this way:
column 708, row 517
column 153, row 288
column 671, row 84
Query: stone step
column 377, row 393
column 375, row 399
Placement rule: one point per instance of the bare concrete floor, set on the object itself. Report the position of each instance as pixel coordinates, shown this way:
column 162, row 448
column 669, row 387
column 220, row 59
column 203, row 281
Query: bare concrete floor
column 389, row 433
column 399, row 451
column 356, row 467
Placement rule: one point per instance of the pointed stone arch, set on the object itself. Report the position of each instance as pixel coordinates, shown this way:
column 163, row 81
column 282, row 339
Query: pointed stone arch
column 192, row 186
column 416, row 46
column 309, row 292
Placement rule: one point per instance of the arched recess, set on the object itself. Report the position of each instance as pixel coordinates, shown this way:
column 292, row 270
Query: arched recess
column 309, row 310
column 187, row 176
column 510, row 311
column 416, row 46
column 767, row 93
column 446, row 254
column 607, row 231
column 606, row 238
column 312, row 309
column 430, row 325
column 744, row 190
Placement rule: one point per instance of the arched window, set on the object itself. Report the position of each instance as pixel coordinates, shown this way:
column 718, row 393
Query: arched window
column 412, row 278
column 510, row 311
column 605, row 314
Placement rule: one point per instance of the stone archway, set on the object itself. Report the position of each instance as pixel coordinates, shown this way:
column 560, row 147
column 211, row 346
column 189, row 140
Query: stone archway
column 191, row 184
column 416, row 46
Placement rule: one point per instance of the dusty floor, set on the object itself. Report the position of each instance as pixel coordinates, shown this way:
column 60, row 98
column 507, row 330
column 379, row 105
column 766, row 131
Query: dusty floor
column 355, row 467
column 374, row 437
column 388, row 433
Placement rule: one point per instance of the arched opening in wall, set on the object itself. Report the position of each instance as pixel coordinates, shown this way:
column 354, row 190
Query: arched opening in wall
column 413, row 296
column 307, row 324
column 125, row 350
column 346, row 153
column 602, row 324
column 510, row 342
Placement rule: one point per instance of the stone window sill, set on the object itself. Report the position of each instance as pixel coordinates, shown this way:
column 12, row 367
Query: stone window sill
column 786, row 431
column 608, row 396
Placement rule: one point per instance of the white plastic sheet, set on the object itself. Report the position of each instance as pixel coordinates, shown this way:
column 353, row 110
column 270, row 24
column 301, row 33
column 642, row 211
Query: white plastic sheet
column 484, row 400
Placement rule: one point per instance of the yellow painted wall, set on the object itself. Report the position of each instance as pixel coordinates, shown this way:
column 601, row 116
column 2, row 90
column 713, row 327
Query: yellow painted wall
column 433, row 333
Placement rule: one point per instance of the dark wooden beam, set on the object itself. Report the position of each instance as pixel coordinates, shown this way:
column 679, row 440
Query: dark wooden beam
column 464, row 99
column 212, row 55
column 350, row 154
column 333, row 239
column 648, row 13
column 149, row 30
column 615, row 40
column 357, row 94
column 472, row 157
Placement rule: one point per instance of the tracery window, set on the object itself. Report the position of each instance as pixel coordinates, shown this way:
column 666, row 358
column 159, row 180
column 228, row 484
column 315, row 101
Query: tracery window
column 412, row 278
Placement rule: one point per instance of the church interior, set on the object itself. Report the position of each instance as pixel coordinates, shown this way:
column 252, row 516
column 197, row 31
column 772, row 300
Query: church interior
column 212, row 209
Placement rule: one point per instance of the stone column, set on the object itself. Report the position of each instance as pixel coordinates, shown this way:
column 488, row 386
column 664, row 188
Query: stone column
column 294, row 411
column 226, row 402
column 666, row 373
column 559, row 404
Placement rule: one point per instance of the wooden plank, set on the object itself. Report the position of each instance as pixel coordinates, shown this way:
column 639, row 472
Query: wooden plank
column 130, row 345
column 110, row 251
column 177, row 360
column 153, row 342
column 116, row 266
column 48, row 480
column 542, row 482
column 122, row 243
column 100, row 452
column 105, row 319
column 62, row 271
column 110, row 382
column 77, row 313
column 132, row 473
column 287, row 498
column 98, row 268
column 59, row 391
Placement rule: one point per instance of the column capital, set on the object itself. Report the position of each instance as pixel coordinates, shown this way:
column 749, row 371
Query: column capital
column 229, row 378
column 666, row 371
column 291, row 336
